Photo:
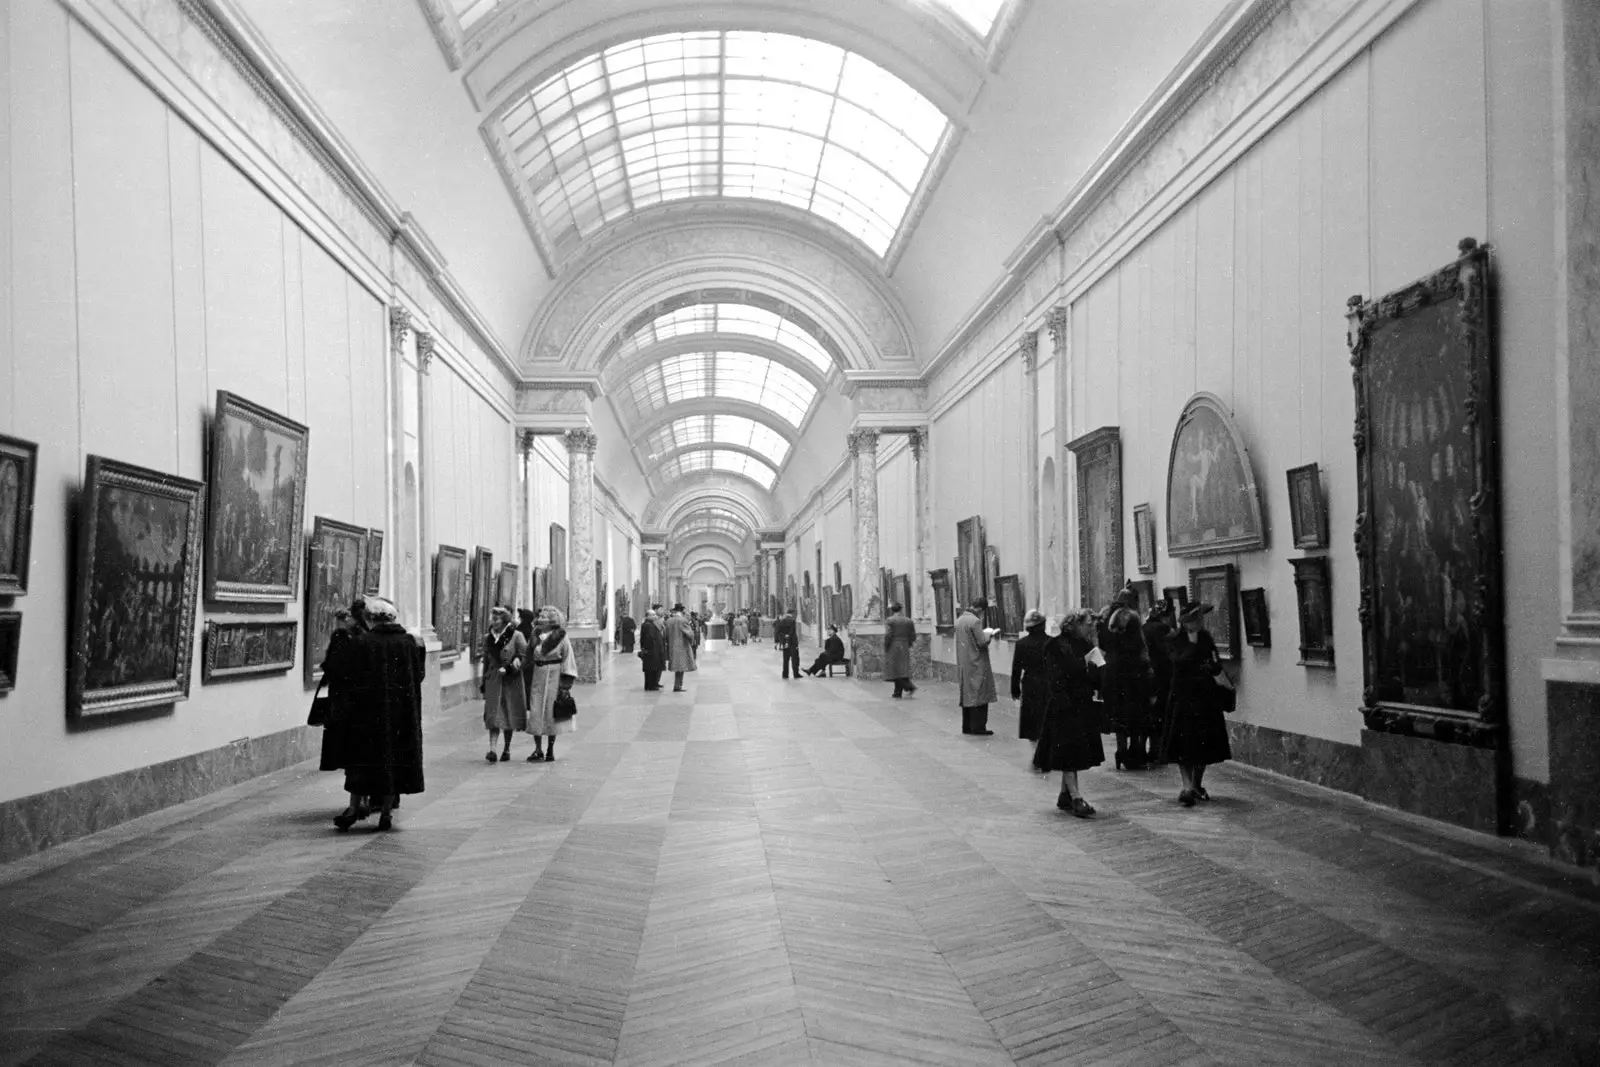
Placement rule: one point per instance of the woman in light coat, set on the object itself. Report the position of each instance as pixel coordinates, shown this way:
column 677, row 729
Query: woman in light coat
column 555, row 668
column 504, row 656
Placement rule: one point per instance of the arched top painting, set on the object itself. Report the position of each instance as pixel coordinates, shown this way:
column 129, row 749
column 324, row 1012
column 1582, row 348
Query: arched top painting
column 1213, row 503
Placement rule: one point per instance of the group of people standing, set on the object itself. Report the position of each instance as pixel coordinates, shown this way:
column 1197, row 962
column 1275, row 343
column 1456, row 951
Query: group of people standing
column 526, row 670
column 670, row 643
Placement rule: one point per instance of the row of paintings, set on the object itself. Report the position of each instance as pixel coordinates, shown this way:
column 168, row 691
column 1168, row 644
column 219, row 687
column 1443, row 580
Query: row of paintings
column 1243, row 612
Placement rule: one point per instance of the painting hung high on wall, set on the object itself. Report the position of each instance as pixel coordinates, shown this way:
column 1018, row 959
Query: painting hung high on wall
column 1144, row 538
column 556, row 593
column 1308, row 515
column 1099, row 455
column 970, row 573
column 138, row 570
column 449, row 596
column 374, row 580
column 1428, row 530
column 1009, row 605
column 19, row 460
column 337, row 571
column 944, row 608
column 1218, row 586
column 10, row 643
column 483, row 590
column 242, row 649
column 505, row 589
column 1213, row 504
column 255, row 534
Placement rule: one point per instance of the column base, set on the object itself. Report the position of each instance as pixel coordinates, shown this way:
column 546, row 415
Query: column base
column 866, row 649
column 922, row 656
column 588, row 649
column 432, row 697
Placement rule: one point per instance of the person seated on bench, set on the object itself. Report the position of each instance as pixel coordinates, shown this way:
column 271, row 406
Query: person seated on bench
column 832, row 652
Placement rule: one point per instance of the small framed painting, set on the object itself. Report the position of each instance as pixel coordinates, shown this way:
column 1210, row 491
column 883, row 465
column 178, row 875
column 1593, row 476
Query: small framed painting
column 1144, row 538
column 505, row 590
column 18, row 461
column 1253, row 610
column 374, row 580
column 449, row 597
column 1218, row 587
column 240, row 649
column 10, row 641
column 1176, row 595
column 1308, row 512
column 337, row 572
column 1316, row 611
column 944, row 607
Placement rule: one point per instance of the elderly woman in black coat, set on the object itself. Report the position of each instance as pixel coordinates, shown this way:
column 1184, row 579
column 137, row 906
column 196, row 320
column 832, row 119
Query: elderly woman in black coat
column 1197, row 734
column 1070, row 739
column 384, row 757
column 1029, row 682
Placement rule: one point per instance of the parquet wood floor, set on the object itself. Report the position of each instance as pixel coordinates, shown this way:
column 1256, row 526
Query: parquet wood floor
column 805, row 872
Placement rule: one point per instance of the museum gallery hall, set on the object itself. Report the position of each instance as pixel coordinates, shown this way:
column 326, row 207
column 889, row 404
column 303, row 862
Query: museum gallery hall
column 800, row 531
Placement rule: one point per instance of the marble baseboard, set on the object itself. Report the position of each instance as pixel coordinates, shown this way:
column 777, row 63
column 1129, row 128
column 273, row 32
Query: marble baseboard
column 1564, row 816
column 922, row 657
column 1310, row 759
column 1452, row 783
column 33, row 823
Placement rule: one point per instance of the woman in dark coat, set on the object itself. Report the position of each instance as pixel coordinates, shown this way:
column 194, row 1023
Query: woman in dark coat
column 1197, row 734
column 652, row 651
column 899, row 634
column 1069, row 741
column 1124, row 680
column 625, row 630
column 1029, row 682
column 384, row 758
column 1158, row 631
column 336, row 676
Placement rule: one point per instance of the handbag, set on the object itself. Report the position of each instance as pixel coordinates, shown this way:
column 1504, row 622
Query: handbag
column 564, row 707
column 1225, row 692
column 321, row 707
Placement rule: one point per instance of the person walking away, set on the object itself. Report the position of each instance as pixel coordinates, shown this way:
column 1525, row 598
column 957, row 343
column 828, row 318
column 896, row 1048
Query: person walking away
column 786, row 638
column 832, row 652
column 1029, row 684
column 1069, row 738
column 682, row 641
column 505, row 699
column 1158, row 631
column 627, row 628
column 385, row 753
column 338, row 675
column 899, row 635
column 652, row 651
column 555, row 668
column 741, row 630
column 755, row 626
column 1197, row 734
column 974, row 676
column 1124, row 682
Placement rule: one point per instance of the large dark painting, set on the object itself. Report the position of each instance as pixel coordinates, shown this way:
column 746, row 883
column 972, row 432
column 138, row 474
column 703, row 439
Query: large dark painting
column 483, row 589
column 337, row 573
column 10, row 643
column 258, row 492
column 556, row 593
column 1213, row 503
column 1257, row 622
column 19, row 460
column 944, row 608
column 1009, row 605
column 1100, row 564
column 970, row 573
column 1427, row 525
column 449, row 597
column 137, row 577
column 991, row 573
column 374, row 580
column 240, row 649
column 1218, row 586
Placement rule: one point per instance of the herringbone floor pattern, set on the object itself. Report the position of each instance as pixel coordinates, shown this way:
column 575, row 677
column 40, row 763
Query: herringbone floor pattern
column 768, row 872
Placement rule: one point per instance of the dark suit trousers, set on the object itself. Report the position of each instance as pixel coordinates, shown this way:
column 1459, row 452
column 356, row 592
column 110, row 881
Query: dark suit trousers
column 975, row 720
column 791, row 655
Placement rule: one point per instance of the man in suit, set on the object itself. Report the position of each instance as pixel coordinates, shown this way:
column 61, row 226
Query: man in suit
column 786, row 636
column 974, row 676
column 682, row 643
column 652, row 650
column 899, row 634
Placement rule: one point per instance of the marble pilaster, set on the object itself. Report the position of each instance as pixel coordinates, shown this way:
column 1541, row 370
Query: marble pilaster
column 525, row 518
column 583, row 627
column 923, row 518
column 864, row 499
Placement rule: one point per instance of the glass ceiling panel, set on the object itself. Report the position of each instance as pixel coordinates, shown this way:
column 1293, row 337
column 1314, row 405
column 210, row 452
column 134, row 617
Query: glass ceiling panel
column 717, row 459
column 470, row 12
column 743, row 319
column 738, row 531
column 979, row 14
column 718, row 429
column 735, row 114
column 735, row 375
column 713, row 514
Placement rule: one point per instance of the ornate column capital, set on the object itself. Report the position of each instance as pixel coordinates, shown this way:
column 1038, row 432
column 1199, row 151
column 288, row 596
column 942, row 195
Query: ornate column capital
column 425, row 351
column 399, row 325
column 581, row 440
column 919, row 442
column 1057, row 322
column 863, row 440
column 525, row 441
column 1028, row 349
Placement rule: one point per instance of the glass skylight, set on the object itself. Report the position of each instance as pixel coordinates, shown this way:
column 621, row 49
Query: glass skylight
column 722, row 460
column 471, row 12
column 702, row 524
column 718, row 429
column 724, row 517
column 979, row 14
column 743, row 319
column 723, row 114
column 733, row 375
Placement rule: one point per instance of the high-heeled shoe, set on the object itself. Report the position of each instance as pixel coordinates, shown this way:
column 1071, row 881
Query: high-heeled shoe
column 490, row 756
column 1201, row 794
column 385, row 822
column 1081, row 808
column 349, row 817
column 1186, row 798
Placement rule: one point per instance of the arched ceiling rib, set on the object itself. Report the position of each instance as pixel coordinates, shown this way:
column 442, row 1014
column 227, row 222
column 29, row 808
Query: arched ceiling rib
column 741, row 495
column 739, row 376
column 728, row 460
column 720, row 431
column 716, row 313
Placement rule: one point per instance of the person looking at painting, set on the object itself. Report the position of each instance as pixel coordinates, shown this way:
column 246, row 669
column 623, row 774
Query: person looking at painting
column 899, row 634
column 337, row 676
column 1158, row 632
column 1124, row 680
column 1197, row 735
column 503, row 654
column 384, row 756
column 1069, row 738
column 1029, row 683
column 555, row 668
column 974, row 676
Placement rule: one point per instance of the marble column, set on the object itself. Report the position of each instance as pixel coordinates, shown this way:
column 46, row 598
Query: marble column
column 1028, row 352
column 583, row 627
column 866, row 627
column 399, row 323
column 922, row 512
column 403, row 548
column 525, row 520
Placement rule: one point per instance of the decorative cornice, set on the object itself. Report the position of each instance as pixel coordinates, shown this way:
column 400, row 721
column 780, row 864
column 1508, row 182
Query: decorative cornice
column 1028, row 350
column 1059, row 321
column 426, row 349
column 581, row 440
column 863, row 440
column 580, row 381
column 399, row 326
column 919, row 442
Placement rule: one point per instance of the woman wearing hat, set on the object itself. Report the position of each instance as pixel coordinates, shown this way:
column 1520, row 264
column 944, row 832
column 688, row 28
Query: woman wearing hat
column 1197, row 735
column 384, row 757
column 505, row 701
column 1069, row 741
column 555, row 668
column 1124, row 680
column 1029, row 683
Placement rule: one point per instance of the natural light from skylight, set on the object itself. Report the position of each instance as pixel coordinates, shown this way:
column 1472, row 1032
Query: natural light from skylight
column 721, row 430
column 730, row 519
column 979, row 14
column 722, row 461
column 743, row 319
column 763, row 382
column 703, row 524
column 734, row 114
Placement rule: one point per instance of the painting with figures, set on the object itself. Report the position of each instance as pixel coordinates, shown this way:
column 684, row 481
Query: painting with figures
column 18, row 461
column 1213, row 503
column 970, row 573
column 254, row 537
column 449, row 596
column 240, row 649
column 336, row 575
column 136, row 582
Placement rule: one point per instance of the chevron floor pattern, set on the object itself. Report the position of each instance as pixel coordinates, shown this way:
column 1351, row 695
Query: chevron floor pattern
column 803, row 872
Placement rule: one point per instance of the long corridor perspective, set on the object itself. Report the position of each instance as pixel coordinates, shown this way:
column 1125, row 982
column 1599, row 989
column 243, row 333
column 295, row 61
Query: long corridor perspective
column 767, row 872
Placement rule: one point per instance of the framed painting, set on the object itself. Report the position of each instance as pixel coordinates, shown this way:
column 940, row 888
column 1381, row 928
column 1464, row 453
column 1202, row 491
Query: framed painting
column 449, row 597
column 959, row 571
column 242, row 649
column 1176, row 595
column 1213, row 503
column 1427, row 524
column 991, row 571
column 483, row 589
column 1009, row 603
column 373, row 585
column 847, row 600
column 19, row 462
column 336, row 574
column 901, row 594
column 1147, row 595
column 838, row 576
column 1308, row 513
column 1099, row 456
column 1218, row 586
column 138, row 571
column 256, row 533
column 885, row 591
column 970, row 573
column 1315, row 603
column 1253, row 611
column 10, row 643
column 944, row 605
column 1144, row 538
column 556, row 593
column 602, row 609
column 505, row 587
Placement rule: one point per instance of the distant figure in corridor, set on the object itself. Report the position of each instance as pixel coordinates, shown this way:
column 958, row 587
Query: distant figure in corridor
column 974, row 676
column 384, row 758
column 504, row 655
column 786, row 639
column 1197, row 734
column 652, row 650
column 1069, row 738
column 555, row 668
column 1159, row 628
column 625, row 632
column 1029, row 684
column 899, row 634
column 741, row 630
column 683, row 640
column 832, row 652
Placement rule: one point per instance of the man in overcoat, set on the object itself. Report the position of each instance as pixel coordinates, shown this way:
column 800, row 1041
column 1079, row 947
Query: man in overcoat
column 682, row 641
column 974, row 676
column 899, row 634
column 786, row 636
column 652, row 650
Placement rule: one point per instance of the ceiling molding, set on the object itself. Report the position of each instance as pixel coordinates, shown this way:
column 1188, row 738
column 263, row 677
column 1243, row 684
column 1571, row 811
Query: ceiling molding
column 704, row 446
column 619, row 370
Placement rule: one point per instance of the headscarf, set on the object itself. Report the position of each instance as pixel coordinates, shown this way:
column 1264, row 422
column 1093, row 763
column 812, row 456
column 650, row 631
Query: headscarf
column 381, row 610
column 1033, row 618
column 557, row 632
